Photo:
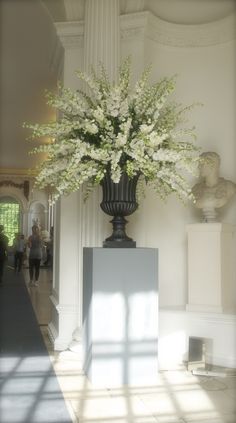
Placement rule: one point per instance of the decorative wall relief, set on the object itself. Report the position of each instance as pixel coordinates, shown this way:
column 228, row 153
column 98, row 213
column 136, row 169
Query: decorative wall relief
column 24, row 186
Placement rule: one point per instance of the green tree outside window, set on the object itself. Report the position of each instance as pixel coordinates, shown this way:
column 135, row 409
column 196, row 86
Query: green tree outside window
column 10, row 218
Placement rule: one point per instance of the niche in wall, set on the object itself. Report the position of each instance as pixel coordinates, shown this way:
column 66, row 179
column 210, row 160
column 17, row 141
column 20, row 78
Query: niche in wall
column 37, row 215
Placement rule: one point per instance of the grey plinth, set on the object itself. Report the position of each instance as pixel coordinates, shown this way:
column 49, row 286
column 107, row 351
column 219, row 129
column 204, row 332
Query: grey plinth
column 120, row 316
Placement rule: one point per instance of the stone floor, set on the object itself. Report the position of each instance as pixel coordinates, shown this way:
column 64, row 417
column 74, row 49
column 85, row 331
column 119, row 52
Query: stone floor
column 177, row 397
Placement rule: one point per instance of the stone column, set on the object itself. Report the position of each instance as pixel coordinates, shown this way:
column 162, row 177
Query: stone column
column 102, row 36
column 66, row 296
column 97, row 40
column 101, row 45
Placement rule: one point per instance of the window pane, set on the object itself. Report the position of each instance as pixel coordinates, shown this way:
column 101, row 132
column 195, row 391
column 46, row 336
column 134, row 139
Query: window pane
column 10, row 218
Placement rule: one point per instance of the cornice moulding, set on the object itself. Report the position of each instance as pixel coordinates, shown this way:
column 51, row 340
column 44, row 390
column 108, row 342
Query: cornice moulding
column 71, row 34
column 145, row 24
column 200, row 35
column 133, row 25
column 178, row 35
column 26, row 173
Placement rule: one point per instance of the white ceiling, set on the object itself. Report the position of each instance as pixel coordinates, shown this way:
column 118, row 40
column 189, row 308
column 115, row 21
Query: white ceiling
column 26, row 56
column 25, row 73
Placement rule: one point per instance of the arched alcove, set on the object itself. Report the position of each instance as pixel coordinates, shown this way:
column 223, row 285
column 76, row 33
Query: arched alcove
column 17, row 195
column 11, row 216
column 37, row 215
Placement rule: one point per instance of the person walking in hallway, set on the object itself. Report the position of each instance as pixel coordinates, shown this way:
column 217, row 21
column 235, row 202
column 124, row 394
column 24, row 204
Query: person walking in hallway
column 3, row 251
column 49, row 249
column 35, row 244
column 19, row 249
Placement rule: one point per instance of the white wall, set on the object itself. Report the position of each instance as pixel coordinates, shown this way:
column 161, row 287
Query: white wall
column 176, row 327
column 206, row 73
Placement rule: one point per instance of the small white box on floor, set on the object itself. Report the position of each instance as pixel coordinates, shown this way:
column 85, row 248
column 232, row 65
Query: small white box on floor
column 120, row 316
column 211, row 279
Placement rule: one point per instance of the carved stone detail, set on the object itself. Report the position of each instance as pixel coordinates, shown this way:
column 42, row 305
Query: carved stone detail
column 143, row 24
column 178, row 35
column 133, row 25
column 71, row 34
column 24, row 186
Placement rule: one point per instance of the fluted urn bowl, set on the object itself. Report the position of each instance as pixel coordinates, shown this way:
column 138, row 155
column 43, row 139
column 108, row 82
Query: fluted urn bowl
column 119, row 200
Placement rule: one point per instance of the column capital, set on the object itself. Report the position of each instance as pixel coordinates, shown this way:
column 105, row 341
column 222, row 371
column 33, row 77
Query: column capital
column 71, row 34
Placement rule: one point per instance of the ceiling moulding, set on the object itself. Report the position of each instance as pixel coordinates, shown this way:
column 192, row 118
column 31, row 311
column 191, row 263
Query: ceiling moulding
column 178, row 35
column 27, row 173
column 134, row 25
column 71, row 34
column 140, row 24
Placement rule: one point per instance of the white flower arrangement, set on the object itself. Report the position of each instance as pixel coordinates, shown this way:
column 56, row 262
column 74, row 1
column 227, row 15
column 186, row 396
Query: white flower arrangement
column 116, row 129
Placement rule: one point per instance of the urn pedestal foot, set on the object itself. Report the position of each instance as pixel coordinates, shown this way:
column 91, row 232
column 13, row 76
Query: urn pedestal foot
column 119, row 244
column 119, row 239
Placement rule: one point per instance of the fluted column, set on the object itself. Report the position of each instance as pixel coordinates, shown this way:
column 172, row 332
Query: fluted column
column 101, row 46
column 102, row 35
column 66, row 291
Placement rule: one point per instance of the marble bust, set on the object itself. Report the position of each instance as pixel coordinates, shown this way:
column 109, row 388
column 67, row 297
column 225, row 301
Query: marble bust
column 212, row 191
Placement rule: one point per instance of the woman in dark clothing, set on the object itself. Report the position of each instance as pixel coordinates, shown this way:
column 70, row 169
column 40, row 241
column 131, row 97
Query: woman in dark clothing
column 3, row 250
column 35, row 244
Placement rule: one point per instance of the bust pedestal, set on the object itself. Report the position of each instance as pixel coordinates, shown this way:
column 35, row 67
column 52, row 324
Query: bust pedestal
column 120, row 316
column 211, row 284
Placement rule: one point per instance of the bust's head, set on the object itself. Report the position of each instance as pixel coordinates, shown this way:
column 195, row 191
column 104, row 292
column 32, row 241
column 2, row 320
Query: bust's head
column 209, row 164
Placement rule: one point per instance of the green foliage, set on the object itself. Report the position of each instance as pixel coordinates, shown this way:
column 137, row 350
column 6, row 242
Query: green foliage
column 9, row 217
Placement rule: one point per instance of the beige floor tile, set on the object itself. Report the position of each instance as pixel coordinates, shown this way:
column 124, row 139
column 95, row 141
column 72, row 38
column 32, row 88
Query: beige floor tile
column 230, row 382
column 113, row 409
column 194, row 401
column 127, row 419
column 232, row 394
column 223, row 419
column 72, row 386
column 222, row 402
column 177, row 378
column 160, row 404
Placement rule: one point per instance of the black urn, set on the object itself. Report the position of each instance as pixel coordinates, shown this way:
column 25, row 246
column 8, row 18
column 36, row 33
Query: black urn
column 119, row 200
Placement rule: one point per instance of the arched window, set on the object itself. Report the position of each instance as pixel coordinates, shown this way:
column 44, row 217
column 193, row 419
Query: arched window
column 10, row 216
